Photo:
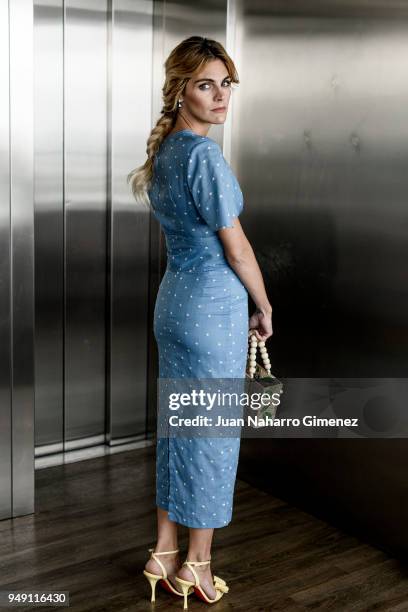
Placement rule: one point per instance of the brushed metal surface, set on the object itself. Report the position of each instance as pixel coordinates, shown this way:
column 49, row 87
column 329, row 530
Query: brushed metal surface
column 92, row 240
column 5, row 269
column 130, row 116
column 85, row 220
column 22, row 255
column 319, row 139
column 49, row 222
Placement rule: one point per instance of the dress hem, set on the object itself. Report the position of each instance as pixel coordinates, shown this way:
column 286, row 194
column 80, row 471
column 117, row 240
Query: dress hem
column 173, row 516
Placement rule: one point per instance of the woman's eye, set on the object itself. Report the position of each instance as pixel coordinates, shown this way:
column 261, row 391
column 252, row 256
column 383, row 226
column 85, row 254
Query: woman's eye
column 227, row 83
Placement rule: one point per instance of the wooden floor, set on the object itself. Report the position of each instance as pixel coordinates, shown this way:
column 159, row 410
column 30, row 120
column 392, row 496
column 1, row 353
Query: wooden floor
column 95, row 520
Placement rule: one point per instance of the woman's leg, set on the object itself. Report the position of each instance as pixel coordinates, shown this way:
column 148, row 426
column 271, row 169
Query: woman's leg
column 166, row 532
column 199, row 549
column 166, row 540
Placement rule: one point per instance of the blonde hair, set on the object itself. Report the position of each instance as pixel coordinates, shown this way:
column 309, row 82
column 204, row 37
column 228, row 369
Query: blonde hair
column 188, row 57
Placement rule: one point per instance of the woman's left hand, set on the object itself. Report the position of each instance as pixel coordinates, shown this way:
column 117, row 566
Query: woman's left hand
column 261, row 324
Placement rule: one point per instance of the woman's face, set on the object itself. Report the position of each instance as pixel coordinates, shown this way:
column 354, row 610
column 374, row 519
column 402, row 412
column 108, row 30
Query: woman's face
column 207, row 91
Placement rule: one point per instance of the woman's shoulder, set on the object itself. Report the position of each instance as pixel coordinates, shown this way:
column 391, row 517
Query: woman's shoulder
column 185, row 142
column 202, row 141
column 205, row 149
column 206, row 163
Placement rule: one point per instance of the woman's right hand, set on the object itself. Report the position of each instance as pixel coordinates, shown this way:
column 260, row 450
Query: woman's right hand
column 261, row 323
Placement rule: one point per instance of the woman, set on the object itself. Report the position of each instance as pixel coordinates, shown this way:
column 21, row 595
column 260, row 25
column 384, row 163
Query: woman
column 201, row 313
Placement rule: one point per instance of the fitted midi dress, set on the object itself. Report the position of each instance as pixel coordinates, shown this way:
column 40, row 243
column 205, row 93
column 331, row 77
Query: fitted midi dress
column 200, row 318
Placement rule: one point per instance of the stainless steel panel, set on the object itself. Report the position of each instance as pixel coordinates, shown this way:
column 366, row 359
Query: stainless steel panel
column 130, row 118
column 5, row 269
column 319, row 136
column 85, row 227
column 49, row 224
column 92, row 239
column 22, row 254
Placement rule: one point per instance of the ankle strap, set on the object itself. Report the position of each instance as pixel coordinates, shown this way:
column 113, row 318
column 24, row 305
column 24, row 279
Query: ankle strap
column 154, row 555
column 197, row 562
column 166, row 552
column 190, row 565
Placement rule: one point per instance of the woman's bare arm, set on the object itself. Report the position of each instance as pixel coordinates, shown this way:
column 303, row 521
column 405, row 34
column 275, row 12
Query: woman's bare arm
column 241, row 257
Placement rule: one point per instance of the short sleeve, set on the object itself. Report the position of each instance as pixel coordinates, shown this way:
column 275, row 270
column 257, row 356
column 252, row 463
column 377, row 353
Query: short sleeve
column 213, row 186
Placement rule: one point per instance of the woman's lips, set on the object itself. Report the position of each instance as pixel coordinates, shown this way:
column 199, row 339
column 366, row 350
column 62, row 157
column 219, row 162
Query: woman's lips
column 219, row 110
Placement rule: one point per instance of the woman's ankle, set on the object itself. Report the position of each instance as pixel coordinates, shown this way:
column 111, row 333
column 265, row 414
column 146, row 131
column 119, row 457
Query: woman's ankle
column 202, row 555
column 165, row 545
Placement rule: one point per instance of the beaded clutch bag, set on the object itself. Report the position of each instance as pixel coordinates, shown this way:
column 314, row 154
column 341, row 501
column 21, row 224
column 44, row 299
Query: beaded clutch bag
column 260, row 380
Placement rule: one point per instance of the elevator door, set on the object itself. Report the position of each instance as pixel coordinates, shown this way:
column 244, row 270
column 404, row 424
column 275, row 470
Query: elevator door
column 91, row 238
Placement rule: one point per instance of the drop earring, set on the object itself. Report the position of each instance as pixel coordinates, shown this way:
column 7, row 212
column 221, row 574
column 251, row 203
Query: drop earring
column 179, row 103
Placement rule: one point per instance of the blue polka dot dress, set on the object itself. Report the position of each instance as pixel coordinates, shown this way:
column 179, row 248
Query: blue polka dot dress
column 200, row 318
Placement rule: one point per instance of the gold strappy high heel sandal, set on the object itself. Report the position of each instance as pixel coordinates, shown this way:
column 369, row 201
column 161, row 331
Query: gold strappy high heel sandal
column 219, row 584
column 164, row 581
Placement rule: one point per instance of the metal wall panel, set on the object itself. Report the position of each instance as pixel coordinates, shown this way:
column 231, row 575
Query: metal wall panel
column 319, row 136
column 49, row 223
column 92, row 240
column 85, row 229
column 22, row 255
column 319, row 139
column 130, row 118
column 5, row 280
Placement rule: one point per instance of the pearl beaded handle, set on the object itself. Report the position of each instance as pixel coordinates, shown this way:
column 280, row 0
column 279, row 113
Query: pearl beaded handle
column 254, row 343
